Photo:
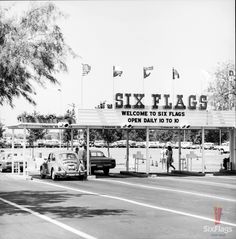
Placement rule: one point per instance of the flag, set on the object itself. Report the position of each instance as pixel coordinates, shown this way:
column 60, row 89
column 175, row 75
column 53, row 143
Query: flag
column 145, row 71
column 231, row 73
column 86, row 69
column 175, row 74
column 116, row 71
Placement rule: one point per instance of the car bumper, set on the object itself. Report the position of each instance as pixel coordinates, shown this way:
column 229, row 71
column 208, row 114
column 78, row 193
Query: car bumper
column 95, row 166
column 69, row 174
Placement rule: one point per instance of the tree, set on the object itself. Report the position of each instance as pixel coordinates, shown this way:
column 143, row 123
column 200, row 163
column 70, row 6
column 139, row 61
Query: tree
column 1, row 130
column 32, row 50
column 222, row 88
column 109, row 135
column 34, row 134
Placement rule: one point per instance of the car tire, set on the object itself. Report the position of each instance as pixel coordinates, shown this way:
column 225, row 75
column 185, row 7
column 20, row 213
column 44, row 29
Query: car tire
column 53, row 175
column 92, row 170
column 106, row 171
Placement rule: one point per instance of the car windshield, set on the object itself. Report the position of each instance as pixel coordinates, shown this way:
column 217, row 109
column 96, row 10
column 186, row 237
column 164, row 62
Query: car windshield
column 97, row 154
column 67, row 156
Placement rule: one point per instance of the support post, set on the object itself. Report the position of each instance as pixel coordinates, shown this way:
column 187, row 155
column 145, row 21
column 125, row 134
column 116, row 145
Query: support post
column 220, row 137
column 203, row 154
column 71, row 138
column 127, row 150
column 24, row 155
column 147, row 151
column 179, row 137
column 12, row 150
column 88, row 161
column 232, row 147
column 60, row 137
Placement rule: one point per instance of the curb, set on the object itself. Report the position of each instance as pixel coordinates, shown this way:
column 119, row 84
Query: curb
column 134, row 174
column 225, row 173
column 187, row 173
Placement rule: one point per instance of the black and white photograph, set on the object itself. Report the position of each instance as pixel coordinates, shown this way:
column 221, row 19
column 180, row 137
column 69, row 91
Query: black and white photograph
column 117, row 119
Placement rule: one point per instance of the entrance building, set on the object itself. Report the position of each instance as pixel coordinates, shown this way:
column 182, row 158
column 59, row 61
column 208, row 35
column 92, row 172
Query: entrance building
column 148, row 119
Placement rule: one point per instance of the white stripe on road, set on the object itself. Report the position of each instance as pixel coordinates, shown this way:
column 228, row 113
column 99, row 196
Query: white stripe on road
column 62, row 225
column 225, row 185
column 169, row 190
column 137, row 203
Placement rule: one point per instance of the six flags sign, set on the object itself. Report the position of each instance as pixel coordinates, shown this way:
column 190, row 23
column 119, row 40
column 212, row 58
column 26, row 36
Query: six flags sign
column 162, row 112
column 123, row 101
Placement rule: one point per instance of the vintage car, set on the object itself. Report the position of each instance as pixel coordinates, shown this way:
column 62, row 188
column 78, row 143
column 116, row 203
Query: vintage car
column 98, row 161
column 63, row 164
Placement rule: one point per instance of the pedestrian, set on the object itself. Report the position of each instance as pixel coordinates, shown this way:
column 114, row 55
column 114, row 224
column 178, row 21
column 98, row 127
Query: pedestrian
column 84, row 155
column 170, row 160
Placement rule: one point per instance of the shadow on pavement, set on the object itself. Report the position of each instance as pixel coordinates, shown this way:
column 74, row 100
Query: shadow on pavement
column 48, row 203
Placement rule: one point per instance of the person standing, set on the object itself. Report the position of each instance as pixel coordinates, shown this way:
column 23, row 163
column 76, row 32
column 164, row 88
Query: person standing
column 84, row 156
column 169, row 156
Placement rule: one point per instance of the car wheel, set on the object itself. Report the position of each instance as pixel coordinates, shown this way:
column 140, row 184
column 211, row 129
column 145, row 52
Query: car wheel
column 53, row 175
column 106, row 171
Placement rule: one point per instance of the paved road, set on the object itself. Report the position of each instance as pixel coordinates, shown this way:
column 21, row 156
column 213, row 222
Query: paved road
column 117, row 207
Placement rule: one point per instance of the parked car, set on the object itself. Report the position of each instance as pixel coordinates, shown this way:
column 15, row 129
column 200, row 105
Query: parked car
column 186, row 145
column 195, row 146
column 41, row 143
column 121, row 143
column 99, row 143
column 63, row 164
column 51, row 143
column 141, row 144
column 209, row 146
column 113, row 145
column 98, row 161
column 224, row 148
column 153, row 144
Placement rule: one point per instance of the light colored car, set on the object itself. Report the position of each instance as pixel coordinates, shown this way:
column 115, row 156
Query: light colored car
column 99, row 143
column 141, row 144
column 63, row 164
column 186, row 145
column 153, row 144
column 224, row 148
column 209, row 146
column 51, row 143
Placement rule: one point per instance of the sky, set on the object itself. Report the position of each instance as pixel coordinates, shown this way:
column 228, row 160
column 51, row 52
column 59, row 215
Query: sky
column 192, row 36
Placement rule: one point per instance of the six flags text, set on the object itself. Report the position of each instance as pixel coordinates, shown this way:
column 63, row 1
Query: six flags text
column 124, row 101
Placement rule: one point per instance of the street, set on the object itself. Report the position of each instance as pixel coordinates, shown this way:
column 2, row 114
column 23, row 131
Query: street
column 117, row 207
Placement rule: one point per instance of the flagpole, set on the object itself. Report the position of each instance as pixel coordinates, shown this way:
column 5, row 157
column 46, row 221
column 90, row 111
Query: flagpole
column 173, row 86
column 113, row 89
column 143, row 79
column 143, row 89
column 81, row 93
